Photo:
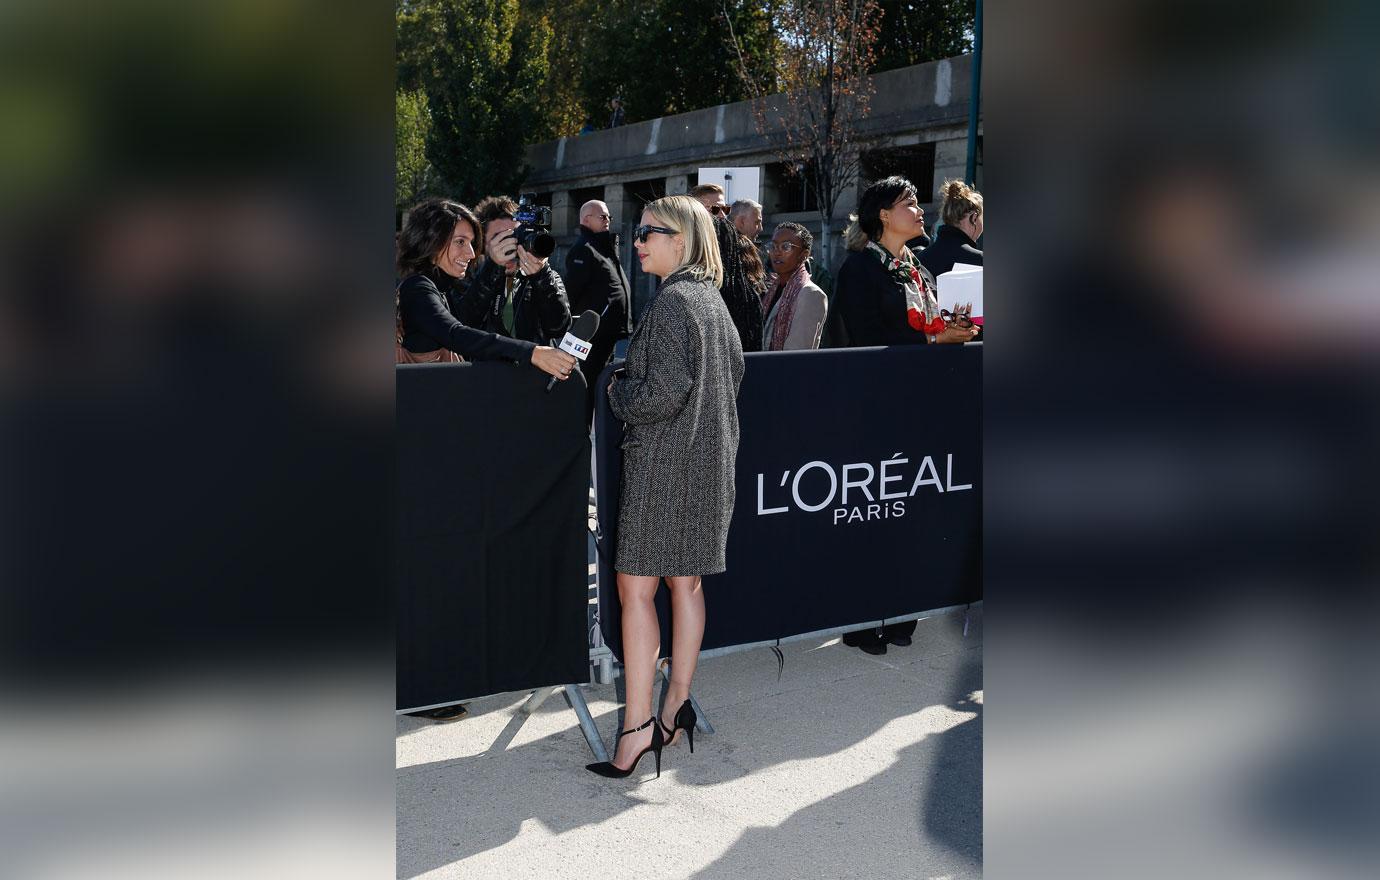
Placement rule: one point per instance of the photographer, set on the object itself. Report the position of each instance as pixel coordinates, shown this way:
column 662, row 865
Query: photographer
column 510, row 290
column 435, row 248
column 595, row 280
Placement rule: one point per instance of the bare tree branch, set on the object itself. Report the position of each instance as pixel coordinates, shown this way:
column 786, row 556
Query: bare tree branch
column 825, row 93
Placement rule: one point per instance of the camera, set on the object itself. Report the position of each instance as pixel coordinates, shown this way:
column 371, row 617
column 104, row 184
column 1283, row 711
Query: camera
column 533, row 230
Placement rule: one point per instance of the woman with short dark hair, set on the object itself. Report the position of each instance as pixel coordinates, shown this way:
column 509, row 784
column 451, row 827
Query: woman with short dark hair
column 435, row 249
column 883, row 295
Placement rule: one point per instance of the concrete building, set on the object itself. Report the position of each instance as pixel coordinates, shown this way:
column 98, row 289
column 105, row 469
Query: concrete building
column 917, row 127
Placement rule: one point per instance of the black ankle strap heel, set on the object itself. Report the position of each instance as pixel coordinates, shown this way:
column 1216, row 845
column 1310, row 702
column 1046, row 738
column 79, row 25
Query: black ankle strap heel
column 609, row 770
column 685, row 720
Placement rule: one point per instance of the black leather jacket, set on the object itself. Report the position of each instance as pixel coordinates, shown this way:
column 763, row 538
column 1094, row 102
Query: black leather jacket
column 426, row 304
column 540, row 310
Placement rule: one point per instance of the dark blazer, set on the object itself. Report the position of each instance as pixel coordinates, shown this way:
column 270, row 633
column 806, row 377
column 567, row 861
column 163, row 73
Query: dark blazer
column 871, row 304
column 951, row 245
column 594, row 279
column 429, row 324
column 678, row 397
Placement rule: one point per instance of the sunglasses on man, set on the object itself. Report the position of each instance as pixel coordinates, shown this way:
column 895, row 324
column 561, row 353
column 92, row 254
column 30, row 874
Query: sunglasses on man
column 719, row 210
column 641, row 232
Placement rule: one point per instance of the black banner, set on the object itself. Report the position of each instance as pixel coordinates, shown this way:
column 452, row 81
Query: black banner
column 859, row 493
column 491, row 558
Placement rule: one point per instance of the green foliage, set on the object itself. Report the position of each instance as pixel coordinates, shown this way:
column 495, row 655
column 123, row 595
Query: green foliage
column 671, row 56
column 412, row 126
column 482, row 65
column 916, row 31
column 567, row 59
column 479, row 79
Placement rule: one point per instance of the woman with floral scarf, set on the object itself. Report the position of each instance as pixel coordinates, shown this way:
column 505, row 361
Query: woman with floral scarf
column 883, row 295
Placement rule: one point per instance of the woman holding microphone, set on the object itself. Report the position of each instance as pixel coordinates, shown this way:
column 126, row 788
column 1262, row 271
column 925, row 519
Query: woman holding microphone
column 677, row 395
column 435, row 248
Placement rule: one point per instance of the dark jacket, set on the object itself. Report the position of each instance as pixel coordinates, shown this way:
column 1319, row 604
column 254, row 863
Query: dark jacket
column 743, row 300
column 594, row 279
column 540, row 310
column 871, row 305
column 429, row 323
column 951, row 245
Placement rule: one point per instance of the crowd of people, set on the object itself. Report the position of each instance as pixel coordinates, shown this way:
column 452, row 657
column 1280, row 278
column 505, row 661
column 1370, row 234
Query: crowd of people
column 471, row 290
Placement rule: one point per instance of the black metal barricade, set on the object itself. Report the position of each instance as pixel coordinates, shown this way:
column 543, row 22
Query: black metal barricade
column 490, row 558
column 859, row 481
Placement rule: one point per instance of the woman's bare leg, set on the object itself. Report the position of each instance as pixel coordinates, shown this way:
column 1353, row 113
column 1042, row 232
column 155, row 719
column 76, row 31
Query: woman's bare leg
column 641, row 644
column 687, row 633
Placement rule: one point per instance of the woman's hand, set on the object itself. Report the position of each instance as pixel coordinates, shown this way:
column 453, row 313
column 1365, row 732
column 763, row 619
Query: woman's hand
column 553, row 361
column 952, row 334
column 617, row 374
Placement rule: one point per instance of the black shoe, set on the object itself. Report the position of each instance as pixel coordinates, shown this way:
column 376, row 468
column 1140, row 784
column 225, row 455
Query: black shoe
column 685, row 720
column 899, row 633
column 876, row 649
column 445, row 713
column 608, row 769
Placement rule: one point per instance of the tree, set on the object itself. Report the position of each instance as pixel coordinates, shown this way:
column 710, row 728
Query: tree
column 916, row 31
column 567, row 62
column 482, row 65
column 670, row 56
column 412, row 125
column 822, row 72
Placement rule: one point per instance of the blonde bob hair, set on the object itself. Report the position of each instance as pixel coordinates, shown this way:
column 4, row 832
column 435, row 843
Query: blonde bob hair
column 701, row 255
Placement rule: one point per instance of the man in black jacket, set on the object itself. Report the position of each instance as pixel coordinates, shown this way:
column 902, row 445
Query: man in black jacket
column 595, row 280
column 509, row 291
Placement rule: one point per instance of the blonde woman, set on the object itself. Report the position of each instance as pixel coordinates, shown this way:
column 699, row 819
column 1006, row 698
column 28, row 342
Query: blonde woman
column 677, row 394
column 956, row 240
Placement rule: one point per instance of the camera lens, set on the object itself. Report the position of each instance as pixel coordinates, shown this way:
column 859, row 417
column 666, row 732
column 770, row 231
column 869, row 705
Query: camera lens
column 537, row 243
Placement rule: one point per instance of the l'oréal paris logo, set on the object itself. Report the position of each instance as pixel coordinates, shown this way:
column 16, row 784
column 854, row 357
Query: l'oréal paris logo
column 856, row 492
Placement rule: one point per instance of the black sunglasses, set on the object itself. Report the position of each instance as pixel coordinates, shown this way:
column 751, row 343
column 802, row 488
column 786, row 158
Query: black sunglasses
column 719, row 210
column 641, row 232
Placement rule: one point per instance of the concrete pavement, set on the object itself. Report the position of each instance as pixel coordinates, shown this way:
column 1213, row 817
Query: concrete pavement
column 848, row 766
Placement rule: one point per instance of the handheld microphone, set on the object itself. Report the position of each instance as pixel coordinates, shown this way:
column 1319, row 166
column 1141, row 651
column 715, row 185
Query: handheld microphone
column 576, row 341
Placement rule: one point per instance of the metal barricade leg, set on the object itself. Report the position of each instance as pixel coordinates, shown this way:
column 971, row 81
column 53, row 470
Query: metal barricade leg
column 702, row 721
column 538, row 697
column 576, row 698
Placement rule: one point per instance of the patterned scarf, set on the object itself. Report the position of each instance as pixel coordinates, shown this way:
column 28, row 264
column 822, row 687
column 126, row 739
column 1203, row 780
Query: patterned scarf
column 922, row 303
column 785, row 306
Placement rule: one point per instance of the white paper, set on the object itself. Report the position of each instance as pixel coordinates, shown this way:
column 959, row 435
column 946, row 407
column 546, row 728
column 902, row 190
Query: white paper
column 962, row 285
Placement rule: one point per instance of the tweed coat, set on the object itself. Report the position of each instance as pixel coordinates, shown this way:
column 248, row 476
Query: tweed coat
column 679, row 399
